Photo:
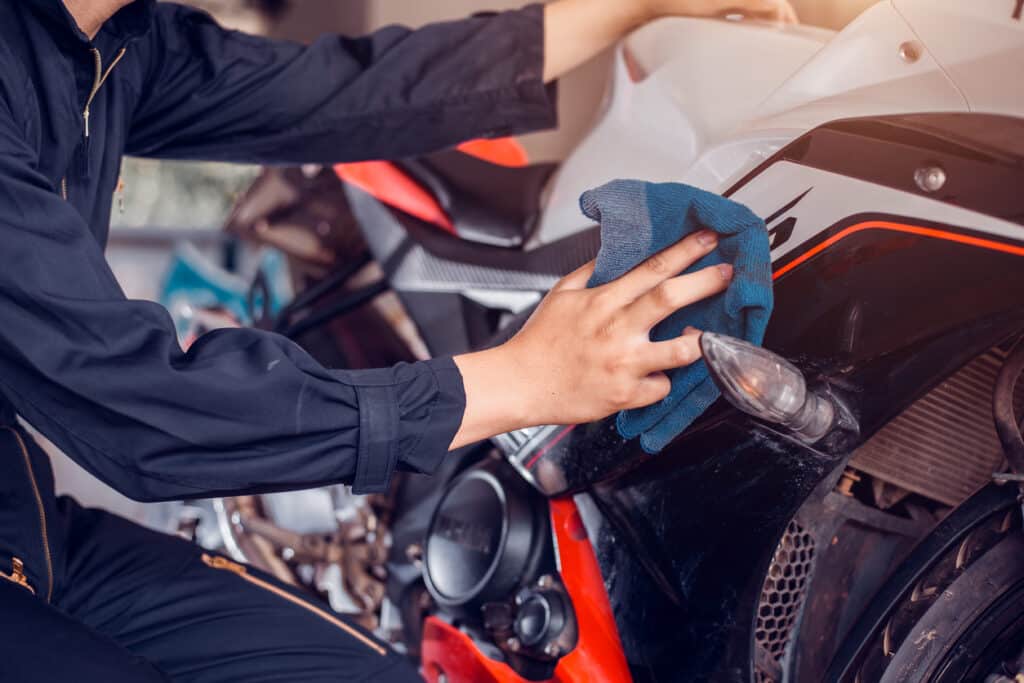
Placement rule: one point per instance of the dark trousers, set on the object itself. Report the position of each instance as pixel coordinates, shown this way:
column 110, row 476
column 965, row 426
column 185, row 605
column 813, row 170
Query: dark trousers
column 104, row 599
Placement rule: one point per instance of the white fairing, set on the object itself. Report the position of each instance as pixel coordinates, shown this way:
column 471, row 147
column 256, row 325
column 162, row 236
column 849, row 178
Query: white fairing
column 710, row 100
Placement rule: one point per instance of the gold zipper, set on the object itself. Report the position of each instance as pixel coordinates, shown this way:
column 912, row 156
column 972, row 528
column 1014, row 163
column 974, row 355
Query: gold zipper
column 222, row 563
column 99, row 80
column 17, row 575
column 42, row 513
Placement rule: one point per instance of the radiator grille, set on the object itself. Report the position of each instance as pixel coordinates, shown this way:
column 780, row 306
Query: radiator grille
column 944, row 446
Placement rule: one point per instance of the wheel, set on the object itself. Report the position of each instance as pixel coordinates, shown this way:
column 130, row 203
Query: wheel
column 954, row 611
column 975, row 626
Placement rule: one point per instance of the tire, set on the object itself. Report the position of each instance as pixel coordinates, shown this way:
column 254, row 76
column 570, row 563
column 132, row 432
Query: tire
column 973, row 625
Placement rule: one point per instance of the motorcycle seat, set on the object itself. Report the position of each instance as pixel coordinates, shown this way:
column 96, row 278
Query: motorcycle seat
column 487, row 203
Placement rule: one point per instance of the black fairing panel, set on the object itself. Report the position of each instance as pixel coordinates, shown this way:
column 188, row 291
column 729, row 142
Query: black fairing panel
column 879, row 318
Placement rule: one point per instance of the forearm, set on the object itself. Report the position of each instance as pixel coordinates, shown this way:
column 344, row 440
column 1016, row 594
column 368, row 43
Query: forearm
column 576, row 30
column 211, row 94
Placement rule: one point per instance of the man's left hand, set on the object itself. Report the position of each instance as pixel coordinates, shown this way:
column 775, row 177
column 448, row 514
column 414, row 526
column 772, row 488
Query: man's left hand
column 772, row 10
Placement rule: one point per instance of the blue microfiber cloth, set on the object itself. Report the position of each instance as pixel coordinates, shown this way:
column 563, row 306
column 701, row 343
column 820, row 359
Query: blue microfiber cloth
column 639, row 219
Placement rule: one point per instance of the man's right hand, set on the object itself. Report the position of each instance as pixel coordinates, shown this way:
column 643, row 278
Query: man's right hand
column 586, row 353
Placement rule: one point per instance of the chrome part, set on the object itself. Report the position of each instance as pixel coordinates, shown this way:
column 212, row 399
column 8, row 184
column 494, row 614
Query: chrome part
column 327, row 540
column 227, row 534
column 910, row 51
column 930, row 178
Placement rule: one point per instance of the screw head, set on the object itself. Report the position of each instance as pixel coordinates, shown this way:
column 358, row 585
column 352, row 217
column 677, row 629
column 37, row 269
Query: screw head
column 930, row 178
column 910, row 51
column 545, row 582
column 513, row 644
column 552, row 650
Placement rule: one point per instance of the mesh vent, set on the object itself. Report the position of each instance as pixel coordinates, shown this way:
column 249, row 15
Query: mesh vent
column 782, row 596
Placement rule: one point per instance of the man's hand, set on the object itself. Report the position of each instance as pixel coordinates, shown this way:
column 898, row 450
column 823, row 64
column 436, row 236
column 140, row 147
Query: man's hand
column 587, row 353
column 772, row 10
column 576, row 30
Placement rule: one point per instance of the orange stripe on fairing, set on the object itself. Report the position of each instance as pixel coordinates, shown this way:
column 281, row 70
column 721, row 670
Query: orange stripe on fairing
column 899, row 227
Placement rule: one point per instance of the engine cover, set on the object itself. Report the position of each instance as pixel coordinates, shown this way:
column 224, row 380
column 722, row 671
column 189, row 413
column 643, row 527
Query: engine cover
column 485, row 538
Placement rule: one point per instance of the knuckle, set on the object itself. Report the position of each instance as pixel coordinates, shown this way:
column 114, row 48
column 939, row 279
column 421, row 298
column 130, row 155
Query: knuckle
column 658, row 264
column 613, row 368
column 664, row 295
column 620, row 394
column 608, row 329
column 664, row 388
column 603, row 299
column 683, row 353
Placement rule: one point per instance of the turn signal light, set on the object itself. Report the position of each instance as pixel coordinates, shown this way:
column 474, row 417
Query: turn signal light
column 767, row 386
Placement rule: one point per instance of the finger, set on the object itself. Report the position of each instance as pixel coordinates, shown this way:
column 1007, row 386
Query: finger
column 771, row 10
column 665, row 264
column 674, row 353
column 577, row 279
column 791, row 17
column 653, row 388
column 676, row 293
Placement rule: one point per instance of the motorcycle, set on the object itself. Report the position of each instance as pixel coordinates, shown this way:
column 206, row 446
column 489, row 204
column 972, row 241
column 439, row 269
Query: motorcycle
column 850, row 512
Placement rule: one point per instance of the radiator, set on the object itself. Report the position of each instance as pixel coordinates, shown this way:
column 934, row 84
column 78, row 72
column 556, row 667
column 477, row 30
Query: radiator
column 944, row 446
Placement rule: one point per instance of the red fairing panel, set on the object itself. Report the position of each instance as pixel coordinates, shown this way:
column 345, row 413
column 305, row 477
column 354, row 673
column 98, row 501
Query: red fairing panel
column 392, row 186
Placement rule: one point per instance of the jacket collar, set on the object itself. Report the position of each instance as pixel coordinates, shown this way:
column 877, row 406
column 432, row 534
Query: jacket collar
column 131, row 21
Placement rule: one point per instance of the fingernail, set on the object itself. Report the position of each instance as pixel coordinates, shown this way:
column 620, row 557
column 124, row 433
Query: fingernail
column 726, row 270
column 707, row 238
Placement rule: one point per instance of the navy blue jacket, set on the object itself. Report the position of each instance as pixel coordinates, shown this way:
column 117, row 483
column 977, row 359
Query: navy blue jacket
column 242, row 410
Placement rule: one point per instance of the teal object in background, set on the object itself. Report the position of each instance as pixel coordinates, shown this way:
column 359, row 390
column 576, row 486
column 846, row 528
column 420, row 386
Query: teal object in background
column 194, row 282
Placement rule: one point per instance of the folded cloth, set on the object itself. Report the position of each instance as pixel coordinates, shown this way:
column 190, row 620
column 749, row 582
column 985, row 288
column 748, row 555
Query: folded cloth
column 639, row 219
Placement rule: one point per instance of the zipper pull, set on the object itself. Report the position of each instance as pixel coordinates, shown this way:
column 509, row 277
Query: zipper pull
column 85, row 116
column 218, row 562
column 17, row 575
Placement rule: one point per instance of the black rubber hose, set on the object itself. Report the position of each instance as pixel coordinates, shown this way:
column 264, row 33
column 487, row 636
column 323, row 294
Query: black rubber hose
column 347, row 303
column 1007, row 426
column 307, row 298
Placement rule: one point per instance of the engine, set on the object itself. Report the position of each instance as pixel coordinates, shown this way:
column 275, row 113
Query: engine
column 489, row 565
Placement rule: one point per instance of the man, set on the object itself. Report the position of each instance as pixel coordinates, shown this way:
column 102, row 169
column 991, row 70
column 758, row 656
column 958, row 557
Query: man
column 91, row 597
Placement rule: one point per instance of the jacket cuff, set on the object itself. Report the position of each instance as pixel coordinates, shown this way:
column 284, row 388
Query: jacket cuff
column 538, row 101
column 408, row 416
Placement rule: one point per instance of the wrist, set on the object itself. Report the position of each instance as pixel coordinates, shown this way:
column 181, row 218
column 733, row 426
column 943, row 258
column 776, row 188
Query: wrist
column 497, row 395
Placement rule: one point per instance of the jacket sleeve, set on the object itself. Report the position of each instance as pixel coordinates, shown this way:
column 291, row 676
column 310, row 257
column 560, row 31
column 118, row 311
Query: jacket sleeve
column 241, row 411
column 209, row 93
